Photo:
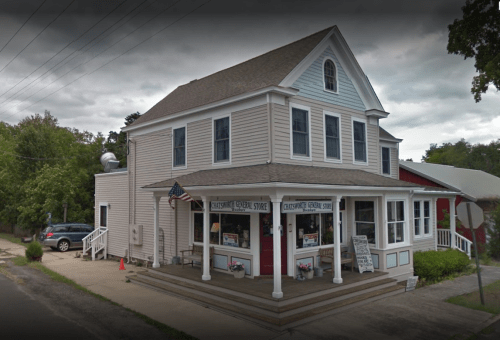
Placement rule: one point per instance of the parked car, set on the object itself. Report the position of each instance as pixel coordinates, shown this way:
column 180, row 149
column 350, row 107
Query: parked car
column 63, row 236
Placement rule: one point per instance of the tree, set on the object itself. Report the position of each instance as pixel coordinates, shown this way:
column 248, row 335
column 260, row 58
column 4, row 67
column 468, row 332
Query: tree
column 117, row 142
column 477, row 35
column 493, row 245
column 485, row 157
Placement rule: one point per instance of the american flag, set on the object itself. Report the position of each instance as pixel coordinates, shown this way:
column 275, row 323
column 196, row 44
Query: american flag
column 178, row 193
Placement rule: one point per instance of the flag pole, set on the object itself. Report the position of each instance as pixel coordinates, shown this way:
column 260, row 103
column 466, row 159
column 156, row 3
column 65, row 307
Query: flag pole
column 189, row 194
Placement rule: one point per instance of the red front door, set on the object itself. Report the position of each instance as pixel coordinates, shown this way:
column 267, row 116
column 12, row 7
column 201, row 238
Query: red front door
column 266, row 244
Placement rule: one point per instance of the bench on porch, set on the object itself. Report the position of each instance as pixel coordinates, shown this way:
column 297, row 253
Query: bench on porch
column 196, row 254
column 326, row 256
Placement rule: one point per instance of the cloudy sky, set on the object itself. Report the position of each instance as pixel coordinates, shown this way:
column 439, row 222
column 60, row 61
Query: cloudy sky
column 91, row 63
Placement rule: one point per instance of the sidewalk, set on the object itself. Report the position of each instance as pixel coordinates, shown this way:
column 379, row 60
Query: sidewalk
column 421, row 314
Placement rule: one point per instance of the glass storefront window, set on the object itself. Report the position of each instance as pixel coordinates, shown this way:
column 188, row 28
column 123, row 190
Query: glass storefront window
column 229, row 230
column 364, row 216
column 327, row 236
column 308, row 226
column 198, row 227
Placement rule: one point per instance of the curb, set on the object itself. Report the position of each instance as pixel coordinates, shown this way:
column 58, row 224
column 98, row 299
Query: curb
column 486, row 323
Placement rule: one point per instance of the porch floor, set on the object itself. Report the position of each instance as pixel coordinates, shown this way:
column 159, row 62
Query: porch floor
column 263, row 287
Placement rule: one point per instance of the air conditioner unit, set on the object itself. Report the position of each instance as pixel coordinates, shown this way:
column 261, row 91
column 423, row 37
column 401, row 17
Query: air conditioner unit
column 136, row 234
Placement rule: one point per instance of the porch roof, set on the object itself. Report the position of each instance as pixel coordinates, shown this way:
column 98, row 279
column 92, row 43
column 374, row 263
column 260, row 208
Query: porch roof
column 283, row 173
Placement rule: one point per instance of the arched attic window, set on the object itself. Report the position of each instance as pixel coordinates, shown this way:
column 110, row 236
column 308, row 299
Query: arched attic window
column 330, row 74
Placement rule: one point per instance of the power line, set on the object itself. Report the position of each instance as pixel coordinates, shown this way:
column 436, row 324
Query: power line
column 69, row 45
column 34, row 80
column 100, row 54
column 64, row 10
column 36, row 10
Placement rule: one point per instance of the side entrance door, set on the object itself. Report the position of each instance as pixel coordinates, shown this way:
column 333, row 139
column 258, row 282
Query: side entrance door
column 266, row 244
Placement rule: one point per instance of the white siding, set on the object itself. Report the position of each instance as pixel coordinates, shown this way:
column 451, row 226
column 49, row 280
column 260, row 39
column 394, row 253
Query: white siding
column 112, row 189
column 281, row 117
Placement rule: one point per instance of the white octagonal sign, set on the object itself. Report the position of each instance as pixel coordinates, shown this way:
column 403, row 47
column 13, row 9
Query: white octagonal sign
column 476, row 212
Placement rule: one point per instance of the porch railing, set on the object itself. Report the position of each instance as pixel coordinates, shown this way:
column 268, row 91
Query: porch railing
column 461, row 243
column 96, row 241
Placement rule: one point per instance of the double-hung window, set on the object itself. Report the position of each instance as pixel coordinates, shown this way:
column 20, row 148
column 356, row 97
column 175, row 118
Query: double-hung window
column 396, row 221
column 330, row 75
column 300, row 126
column 364, row 218
column 332, row 137
column 221, row 140
column 422, row 218
column 359, row 140
column 386, row 161
column 180, row 147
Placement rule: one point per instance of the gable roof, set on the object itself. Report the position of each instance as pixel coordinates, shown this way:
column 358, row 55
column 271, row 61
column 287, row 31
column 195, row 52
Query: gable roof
column 474, row 184
column 284, row 173
column 384, row 135
column 266, row 70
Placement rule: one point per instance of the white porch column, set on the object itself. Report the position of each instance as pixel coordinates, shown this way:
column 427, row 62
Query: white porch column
column 156, row 200
column 336, row 237
column 453, row 227
column 277, row 293
column 206, row 240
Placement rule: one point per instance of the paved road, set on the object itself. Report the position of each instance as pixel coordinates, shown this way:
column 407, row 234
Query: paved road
column 23, row 317
column 34, row 306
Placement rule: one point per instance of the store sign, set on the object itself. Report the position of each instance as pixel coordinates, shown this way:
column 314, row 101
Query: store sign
column 241, row 206
column 230, row 240
column 306, row 207
column 411, row 283
column 310, row 240
column 363, row 255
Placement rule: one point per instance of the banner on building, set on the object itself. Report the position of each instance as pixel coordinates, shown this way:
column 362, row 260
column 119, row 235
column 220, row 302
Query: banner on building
column 298, row 207
column 241, row 206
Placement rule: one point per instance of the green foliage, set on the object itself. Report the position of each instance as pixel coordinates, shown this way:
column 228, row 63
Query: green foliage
column 117, row 142
column 477, row 35
column 434, row 264
column 34, row 252
column 445, row 223
column 20, row 261
column 464, row 155
column 493, row 246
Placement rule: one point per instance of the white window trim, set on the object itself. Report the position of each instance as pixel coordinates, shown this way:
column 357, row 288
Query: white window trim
column 308, row 109
column 181, row 167
column 354, row 161
column 336, row 75
column 330, row 159
column 406, row 225
column 382, row 161
column 228, row 162
column 353, row 216
column 103, row 204
column 421, row 218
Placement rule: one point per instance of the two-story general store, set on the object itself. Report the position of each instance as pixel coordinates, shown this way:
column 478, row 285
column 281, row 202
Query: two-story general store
column 286, row 155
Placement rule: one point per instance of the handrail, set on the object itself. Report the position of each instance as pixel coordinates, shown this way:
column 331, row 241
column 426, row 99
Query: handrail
column 463, row 244
column 95, row 240
column 443, row 238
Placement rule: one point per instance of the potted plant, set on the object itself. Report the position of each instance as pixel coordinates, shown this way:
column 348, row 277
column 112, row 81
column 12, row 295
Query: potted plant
column 237, row 268
column 307, row 270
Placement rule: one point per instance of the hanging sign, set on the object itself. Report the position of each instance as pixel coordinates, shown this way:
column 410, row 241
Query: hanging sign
column 363, row 255
column 241, row 206
column 306, row 207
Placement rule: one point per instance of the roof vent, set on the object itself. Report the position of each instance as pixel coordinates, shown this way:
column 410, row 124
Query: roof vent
column 109, row 161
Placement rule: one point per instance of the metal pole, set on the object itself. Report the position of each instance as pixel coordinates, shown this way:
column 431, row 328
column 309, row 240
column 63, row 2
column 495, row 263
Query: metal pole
column 469, row 215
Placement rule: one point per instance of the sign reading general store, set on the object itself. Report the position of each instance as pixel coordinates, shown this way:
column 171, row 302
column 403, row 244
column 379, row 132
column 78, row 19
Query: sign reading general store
column 241, row 206
column 306, row 206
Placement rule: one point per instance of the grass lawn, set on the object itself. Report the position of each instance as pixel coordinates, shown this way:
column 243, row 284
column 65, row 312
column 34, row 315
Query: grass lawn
column 473, row 300
column 13, row 239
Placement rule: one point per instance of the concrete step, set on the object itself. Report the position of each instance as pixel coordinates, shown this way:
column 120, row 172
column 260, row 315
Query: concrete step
column 274, row 314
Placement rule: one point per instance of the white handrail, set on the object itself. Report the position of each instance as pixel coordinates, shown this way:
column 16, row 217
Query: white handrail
column 444, row 237
column 96, row 241
column 463, row 244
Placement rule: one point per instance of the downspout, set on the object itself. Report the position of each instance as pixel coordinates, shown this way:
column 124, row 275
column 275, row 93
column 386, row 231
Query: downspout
column 271, row 129
column 175, row 222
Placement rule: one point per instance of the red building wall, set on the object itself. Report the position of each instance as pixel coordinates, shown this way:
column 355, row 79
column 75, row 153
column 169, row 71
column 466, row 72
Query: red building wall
column 444, row 204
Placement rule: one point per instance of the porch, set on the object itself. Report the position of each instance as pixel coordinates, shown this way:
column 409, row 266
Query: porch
column 251, row 299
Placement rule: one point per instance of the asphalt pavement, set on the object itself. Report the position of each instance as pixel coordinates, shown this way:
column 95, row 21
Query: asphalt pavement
column 421, row 314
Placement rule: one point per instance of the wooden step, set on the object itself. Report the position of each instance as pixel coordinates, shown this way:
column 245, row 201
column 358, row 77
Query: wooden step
column 271, row 313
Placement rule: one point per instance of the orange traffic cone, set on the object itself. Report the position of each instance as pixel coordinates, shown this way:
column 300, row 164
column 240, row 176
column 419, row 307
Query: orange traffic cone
column 122, row 267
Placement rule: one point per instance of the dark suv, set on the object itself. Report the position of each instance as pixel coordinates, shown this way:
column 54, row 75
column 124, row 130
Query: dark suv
column 64, row 236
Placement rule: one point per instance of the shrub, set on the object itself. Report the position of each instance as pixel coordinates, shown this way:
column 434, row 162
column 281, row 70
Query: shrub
column 434, row 264
column 34, row 252
column 493, row 245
